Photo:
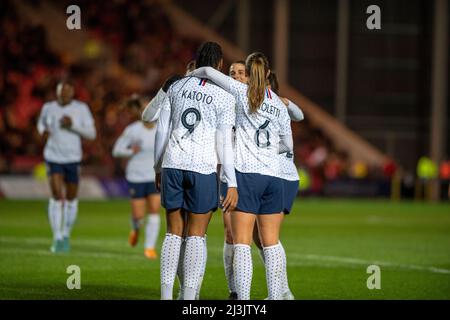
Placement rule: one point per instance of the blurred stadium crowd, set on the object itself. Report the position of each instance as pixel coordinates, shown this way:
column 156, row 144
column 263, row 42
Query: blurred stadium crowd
column 143, row 44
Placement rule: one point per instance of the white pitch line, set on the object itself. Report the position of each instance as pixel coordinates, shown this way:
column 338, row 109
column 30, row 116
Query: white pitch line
column 357, row 261
column 290, row 255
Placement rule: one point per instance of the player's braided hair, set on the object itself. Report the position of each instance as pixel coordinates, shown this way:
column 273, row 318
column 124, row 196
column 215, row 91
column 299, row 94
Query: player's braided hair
column 257, row 67
column 209, row 55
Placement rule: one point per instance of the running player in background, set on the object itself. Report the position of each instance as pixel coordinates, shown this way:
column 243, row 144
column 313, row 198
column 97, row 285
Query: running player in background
column 262, row 132
column 137, row 144
column 197, row 129
column 63, row 123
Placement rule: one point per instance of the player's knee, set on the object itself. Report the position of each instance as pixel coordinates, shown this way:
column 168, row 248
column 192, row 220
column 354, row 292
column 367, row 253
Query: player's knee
column 176, row 229
column 196, row 231
column 242, row 240
column 268, row 242
column 57, row 195
column 71, row 197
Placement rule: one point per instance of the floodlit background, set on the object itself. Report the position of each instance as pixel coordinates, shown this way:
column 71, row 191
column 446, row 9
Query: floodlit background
column 376, row 128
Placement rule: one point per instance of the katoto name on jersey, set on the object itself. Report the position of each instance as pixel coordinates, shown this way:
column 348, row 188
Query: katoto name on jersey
column 197, row 96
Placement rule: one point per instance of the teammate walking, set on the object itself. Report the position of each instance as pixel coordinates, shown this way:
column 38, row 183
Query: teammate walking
column 63, row 123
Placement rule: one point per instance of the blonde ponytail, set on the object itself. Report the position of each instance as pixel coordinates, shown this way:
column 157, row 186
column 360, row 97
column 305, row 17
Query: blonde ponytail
column 257, row 67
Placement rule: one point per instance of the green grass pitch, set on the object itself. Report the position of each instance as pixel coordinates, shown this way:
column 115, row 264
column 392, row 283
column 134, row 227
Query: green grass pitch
column 329, row 245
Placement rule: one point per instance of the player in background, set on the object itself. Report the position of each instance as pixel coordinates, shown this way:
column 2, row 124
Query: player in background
column 137, row 144
column 263, row 131
column 195, row 132
column 63, row 123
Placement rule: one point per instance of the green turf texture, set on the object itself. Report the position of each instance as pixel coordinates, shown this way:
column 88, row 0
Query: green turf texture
column 329, row 245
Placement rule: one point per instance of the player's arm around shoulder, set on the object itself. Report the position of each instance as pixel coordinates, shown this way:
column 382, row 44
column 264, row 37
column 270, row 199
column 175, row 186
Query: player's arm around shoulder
column 226, row 121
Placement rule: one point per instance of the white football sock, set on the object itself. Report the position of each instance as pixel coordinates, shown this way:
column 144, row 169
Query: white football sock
column 70, row 216
column 170, row 254
column 193, row 262
column 243, row 270
column 284, row 283
column 180, row 269
column 55, row 215
column 275, row 266
column 152, row 230
column 203, row 269
column 228, row 265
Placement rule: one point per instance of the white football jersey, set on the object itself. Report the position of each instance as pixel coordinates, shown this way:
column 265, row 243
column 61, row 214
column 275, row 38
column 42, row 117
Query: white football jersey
column 288, row 169
column 140, row 165
column 63, row 145
column 198, row 107
column 257, row 134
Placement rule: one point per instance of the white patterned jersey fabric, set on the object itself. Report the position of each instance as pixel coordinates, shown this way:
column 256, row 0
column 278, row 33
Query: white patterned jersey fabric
column 198, row 107
column 140, row 164
column 258, row 134
column 288, row 169
column 64, row 145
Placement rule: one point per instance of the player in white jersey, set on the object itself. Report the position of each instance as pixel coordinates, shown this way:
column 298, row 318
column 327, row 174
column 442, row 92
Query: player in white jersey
column 63, row 123
column 237, row 72
column 151, row 113
column 137, row 144
column 290, row 178
column 262, row 132
column 195, row 132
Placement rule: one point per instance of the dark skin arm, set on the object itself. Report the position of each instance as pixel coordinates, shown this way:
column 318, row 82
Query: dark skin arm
column 158, row 181
column 231, row 200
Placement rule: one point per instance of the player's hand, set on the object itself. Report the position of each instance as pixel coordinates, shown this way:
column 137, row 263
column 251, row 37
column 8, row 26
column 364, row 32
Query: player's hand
column 231, row 200
column 66, row 122
column 170, row 81
column 136, row 148
column 158, row 181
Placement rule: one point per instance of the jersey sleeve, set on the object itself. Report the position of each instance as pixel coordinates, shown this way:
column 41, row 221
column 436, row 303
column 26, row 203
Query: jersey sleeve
column 237, row 88
column 227, row 83
column 162, row 135
column 122, row 145
column 284, row 121
column 295, row 113
column 42, row 120
column 153, row 108
column 86, row 129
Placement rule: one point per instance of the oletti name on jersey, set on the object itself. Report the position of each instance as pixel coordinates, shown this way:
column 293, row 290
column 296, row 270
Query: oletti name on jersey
column 268, row 108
